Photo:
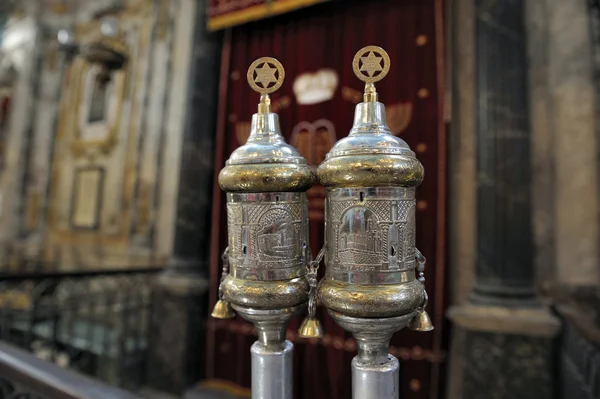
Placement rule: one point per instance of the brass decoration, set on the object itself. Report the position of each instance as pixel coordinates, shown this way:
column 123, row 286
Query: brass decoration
column 222, row 309
column 371, row 64
column 265, row 265
column 265, row 153
column 261, row 75
column 422, row 321
column 311, row 326
column 370, row 287
column 266, row 180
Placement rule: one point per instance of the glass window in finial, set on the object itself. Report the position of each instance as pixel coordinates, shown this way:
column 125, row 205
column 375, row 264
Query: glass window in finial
column 371, row 64
column 266, row 75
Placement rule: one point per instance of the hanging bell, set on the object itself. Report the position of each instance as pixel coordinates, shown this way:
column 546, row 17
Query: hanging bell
column 222, row 310
column 310, row 328
column 421, row 321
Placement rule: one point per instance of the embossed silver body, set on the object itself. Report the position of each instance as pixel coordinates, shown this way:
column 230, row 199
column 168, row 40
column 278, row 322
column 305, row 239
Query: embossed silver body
column 370, row 288
column 370, row 221
column 371, row 235
column 268, row 235
column 267, row 221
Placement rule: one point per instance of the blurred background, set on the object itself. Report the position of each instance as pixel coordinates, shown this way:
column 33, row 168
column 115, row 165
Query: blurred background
column 117, row 115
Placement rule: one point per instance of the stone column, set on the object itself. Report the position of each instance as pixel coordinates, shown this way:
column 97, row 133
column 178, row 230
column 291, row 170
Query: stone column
column 504, row 269
column 503, row 337
column 180, row 298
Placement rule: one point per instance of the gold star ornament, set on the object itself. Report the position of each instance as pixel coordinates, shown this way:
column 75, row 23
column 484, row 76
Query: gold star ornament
column 265, row 75
column 371, row 64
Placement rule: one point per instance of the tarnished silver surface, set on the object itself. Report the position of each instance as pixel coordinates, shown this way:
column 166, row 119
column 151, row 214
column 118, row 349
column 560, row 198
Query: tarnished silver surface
column 272, row 371
column 272, row 354
column 371, row 235
column 370, row 134
column 270, row 324
column 268, row 235
column 265, row 144
column 376, row 381
column 372, row 334
column 267, row 221
column 370, row 287
column 375, row 373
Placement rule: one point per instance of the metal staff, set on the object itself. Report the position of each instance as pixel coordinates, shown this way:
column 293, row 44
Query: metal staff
column 370, row 287
column 267, row 214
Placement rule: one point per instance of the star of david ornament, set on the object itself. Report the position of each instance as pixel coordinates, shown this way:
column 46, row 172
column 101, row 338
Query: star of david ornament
column 265, row 269
column 371, row 64
column 265, row 75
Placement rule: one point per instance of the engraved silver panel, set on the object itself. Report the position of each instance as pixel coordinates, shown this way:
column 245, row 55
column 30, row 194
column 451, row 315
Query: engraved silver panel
column 268, row 235
column 370, row 235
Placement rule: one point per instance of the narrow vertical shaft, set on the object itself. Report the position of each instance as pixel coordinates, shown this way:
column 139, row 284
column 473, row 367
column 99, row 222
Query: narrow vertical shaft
column 375, row 380
column 272, row 370
column 271, row 334
column 372, row 350
column 375, row 373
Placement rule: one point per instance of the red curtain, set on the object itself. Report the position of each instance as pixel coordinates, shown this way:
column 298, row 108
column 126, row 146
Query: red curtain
column 316, row 106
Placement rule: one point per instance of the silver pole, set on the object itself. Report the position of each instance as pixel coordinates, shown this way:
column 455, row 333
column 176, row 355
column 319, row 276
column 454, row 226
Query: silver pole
column 375, row 373
column 374, row 380
column 272, row 354
column 272, row 371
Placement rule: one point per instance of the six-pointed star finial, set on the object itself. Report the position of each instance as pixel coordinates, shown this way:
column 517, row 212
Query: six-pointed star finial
column 265, row 75
column 371, row 64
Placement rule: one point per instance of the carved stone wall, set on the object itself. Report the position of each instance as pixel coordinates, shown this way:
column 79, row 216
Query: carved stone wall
column 120, row 175
column 94, row 169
